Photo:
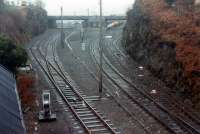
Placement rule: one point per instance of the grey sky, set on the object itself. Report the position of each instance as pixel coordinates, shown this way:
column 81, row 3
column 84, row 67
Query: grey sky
column 79, row 7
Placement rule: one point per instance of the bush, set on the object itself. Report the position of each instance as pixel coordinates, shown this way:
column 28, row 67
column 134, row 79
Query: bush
column 166, row 39
column 11, row 55
column 25, row 84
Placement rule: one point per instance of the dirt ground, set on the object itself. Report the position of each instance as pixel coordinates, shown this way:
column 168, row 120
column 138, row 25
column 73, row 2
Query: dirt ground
column 30, row 112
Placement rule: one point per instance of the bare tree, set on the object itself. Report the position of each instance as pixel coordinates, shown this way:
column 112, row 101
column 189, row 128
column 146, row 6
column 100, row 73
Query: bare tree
column 1, row 3
column 170, row 2
column 39, row 3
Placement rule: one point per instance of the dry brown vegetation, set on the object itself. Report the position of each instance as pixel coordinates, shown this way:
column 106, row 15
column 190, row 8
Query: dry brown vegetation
column 10, row 25
column 28, row 96
column 178, row 23
column 22, row 23
column 25, row 84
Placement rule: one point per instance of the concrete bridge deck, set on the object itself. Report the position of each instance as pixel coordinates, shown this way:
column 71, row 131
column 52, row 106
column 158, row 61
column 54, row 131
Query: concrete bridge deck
column 86, row 17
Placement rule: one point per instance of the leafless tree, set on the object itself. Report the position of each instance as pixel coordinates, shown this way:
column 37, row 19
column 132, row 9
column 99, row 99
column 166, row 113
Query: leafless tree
column 1, row 3
column 39, row 3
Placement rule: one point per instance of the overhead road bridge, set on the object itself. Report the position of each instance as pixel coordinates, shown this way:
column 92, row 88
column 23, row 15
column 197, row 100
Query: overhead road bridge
column 86, row 17
column 52, row 19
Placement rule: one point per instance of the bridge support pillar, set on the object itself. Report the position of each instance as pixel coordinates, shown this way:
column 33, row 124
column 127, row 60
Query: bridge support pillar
column 52, row 23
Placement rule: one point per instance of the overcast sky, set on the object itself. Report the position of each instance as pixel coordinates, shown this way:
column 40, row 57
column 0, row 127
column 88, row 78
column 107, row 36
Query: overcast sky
column 80, row 7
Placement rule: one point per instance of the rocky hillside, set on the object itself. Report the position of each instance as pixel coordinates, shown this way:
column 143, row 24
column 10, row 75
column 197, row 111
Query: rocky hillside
column 164, row 36
column 21, row 23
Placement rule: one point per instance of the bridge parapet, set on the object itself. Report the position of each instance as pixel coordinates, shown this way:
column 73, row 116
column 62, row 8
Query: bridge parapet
column 88, row 20
column 86, row 17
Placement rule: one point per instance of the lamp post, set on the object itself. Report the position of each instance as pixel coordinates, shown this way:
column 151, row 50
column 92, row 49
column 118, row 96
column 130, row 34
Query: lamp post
column 101, row 52
column 62, row 34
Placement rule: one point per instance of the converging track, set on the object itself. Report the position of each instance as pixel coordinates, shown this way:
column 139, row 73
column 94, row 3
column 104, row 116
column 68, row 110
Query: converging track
column 177, row 124
column 154, row 113
column 92, row 121
column 117, row 99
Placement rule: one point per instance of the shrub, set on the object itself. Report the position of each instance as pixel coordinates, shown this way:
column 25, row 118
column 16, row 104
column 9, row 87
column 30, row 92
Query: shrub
column 25, row 84
column 11, row 55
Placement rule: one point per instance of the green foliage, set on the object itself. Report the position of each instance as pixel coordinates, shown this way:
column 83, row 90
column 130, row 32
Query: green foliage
column 11, row 55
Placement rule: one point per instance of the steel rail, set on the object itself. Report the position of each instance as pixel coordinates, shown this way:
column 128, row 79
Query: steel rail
column 79, row 95
column 193, row 118
column 189, row 112
column 48, row 74
column 53, row 82
column 187, row 125
column 60, row 92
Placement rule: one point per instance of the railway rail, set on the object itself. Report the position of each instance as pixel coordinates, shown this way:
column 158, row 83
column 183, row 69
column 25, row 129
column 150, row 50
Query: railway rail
column 146, row 129
column 132, row 116
column 169, row 99
column 171, row 122
column 166, row 98
column 167, row 117
column 80, row 105
column 178, row 121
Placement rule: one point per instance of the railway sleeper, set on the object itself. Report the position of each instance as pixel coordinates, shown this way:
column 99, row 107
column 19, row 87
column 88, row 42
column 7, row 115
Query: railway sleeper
column 72, row 93
column 78, row 104
column 86, row 115
column 95, row 125
column 55, row 74
column 74, row 99
column 93, row 122
column 102, row 131
column 83, row 109
column 89, row 118
column 83, row 103
column 98, row 121
column 69, row 93
column 84, row 112
column 60, row 82
column 57, row 78
column 65, row 87
column 99, row 125
column 99, row 130
column 67, row 90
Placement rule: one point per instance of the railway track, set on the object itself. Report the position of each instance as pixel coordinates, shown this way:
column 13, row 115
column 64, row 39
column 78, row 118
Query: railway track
column 164, row 97
column 169, row 124
column 184, row 126
column 108, row 93
column 80, row 105
column 116, row 99
column 60, row 100
column 170, row 120
column 168, row 98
